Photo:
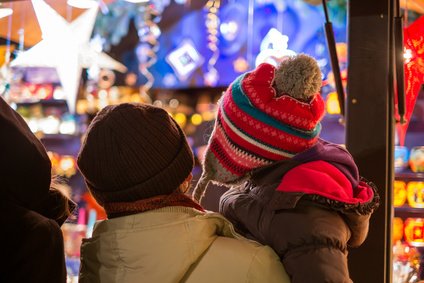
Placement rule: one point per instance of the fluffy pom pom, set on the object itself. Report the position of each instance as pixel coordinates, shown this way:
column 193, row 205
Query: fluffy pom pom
column 298, row 76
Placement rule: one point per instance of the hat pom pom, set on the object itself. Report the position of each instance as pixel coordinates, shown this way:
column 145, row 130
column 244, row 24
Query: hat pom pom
column 298, row 76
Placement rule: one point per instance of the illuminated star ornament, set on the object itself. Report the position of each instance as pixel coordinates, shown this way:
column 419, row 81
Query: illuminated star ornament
column 65, row 46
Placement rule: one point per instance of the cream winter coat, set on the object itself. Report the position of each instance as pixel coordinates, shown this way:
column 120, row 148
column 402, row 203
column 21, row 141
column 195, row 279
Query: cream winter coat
column 175, row 244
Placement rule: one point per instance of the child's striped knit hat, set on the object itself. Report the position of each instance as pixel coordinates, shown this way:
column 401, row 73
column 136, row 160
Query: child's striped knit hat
column 267, row 115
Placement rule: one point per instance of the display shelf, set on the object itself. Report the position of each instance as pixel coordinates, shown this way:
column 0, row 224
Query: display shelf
column 406, row 211
column 409, row 175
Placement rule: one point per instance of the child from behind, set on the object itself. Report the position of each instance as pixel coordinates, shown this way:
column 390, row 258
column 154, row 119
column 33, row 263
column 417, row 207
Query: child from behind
column 291, row 190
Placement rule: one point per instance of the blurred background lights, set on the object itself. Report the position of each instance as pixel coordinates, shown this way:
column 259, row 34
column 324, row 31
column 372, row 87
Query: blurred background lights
column 181, row 119
column 229, row 30
column 67, row 127
column 332, row 104
column 173, row 103
column 33, row 125
column 49, row 125
column 137, row 1
column 196, row 119
column 407, row 55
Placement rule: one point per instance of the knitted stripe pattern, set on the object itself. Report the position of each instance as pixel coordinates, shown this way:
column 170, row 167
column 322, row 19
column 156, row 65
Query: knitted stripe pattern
column 254, row 128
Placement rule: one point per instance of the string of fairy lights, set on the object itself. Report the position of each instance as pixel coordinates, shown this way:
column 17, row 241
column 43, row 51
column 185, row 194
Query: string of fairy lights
column 212, row 27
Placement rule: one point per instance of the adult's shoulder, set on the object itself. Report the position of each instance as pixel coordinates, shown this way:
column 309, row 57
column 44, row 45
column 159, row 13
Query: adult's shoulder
column 245, row 258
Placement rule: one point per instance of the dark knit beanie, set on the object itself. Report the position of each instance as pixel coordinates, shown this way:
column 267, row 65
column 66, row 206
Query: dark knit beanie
column 25, row 168
column 133, row 152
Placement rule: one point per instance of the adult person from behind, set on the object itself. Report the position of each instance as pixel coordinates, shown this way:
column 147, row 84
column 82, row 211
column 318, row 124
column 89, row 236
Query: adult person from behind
column 137, row 165
column 31, row 209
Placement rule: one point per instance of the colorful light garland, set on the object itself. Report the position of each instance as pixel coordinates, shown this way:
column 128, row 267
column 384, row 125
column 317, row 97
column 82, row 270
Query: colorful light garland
column 148, row 32
column 212, row 26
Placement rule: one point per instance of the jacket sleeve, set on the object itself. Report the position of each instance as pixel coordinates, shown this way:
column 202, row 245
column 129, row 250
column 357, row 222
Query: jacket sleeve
column 359, row 224
column 317, row 264
column 238, row 206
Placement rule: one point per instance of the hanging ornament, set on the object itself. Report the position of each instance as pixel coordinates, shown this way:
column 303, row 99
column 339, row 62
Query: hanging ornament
column 233, row 35
column 212, row 27
column 106, row 79
column 148, row 34
column 274, row 48
column 184, row 59
column 414, row 71
column 65, row 46
column 113, row 23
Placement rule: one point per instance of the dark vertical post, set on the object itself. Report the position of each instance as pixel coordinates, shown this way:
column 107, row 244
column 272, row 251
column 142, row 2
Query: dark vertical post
column 369, row 128
column 331, row 45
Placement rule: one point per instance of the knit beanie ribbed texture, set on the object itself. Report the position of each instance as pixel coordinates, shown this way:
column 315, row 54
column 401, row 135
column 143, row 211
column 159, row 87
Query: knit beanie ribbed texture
column 255, row 127
column 133, row 152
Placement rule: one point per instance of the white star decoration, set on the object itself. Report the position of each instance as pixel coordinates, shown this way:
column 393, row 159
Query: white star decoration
column 65, row 46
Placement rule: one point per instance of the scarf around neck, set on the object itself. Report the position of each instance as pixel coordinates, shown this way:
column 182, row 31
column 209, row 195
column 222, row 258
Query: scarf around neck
column 118, row 209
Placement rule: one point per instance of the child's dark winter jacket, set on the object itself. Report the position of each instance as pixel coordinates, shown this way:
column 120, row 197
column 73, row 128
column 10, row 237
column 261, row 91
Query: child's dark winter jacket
column 309, row 209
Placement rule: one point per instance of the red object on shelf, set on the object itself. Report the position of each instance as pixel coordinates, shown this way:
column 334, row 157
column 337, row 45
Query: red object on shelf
column 414, row 71
column 414, row 232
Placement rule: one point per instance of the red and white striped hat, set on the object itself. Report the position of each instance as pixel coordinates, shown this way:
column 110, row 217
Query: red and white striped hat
column 267, row 115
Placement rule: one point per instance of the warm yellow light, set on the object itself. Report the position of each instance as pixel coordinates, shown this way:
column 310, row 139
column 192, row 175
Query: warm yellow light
column 240, row 65
column 415, row 194
column 67, row 166
column 66, row 163
column 208, row 115
column 332, row 104
column 54, row 158
column 397, row 229
column 196, row 119
column 407, row 55
column 181, row 119
column 399, row 193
